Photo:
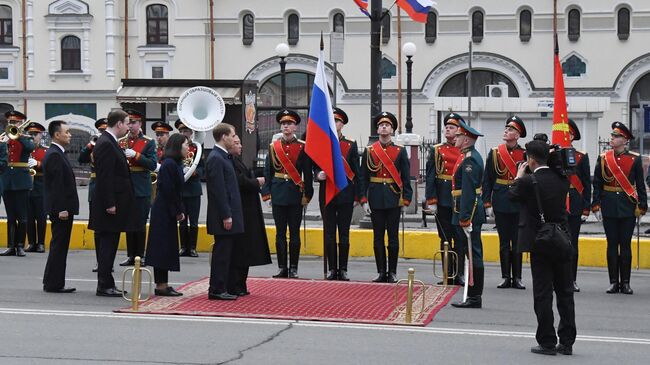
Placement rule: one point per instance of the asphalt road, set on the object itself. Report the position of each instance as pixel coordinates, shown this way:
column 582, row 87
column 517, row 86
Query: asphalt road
column 80, row 328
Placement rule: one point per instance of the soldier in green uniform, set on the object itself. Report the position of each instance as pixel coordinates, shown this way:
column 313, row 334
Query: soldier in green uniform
column 36, row 217
column 162, row 135
column 188, row 228
column 17, row 183
column 385, row 189
column 469, row 214
column 140, row 152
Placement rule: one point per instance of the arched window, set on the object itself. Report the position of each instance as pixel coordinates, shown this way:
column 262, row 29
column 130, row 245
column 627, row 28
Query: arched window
column 623, row 22
column 431, row 28
column 388, row 69
column 293, row 30
column 6, row 25
column 248, row 31
column 477, row 26
column 157, row 26
column 457, row 84
column 70, row 53
column 574, row 67
column 338, row 25
column 525, row 18
column 574, row 25
column 385, row 26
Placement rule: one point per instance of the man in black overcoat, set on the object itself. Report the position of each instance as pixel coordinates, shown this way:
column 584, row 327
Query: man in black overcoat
column 225, row 218
column 61, row 203
column 549, row 274
column 111, row 210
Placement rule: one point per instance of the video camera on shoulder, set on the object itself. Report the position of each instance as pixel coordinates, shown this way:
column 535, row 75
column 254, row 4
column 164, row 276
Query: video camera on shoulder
column 562, row 160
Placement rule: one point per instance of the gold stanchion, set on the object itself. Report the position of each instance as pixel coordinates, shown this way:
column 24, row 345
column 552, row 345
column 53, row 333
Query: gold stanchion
column 445, row 255
column 136, row 278
column 410, row 282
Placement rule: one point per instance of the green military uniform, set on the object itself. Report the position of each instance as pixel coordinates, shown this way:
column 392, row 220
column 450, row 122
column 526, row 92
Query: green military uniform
column 36, row 217
column 188, row 228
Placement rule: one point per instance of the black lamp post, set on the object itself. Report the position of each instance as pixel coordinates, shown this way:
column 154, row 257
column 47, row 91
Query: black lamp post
column 282, row 51
column 409, row 50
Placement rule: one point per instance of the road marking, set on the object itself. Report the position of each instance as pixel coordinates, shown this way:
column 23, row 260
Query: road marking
column 431, row 330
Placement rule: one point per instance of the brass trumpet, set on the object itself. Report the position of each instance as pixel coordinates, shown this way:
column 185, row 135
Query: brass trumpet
column 14, row 132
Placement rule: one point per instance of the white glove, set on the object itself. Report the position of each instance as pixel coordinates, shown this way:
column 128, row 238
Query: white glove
column 268, row 202
column 185, row 170
column 366, row 208
column 583, row 218
column 321, row 176
column 433, row 208
column 467, row 229
column 598, row 215
column 129, row 153
column 489, row 212
column 157, row 168
column 32, row 162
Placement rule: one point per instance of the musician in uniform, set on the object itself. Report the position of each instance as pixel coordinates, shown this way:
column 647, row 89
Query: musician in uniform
column 579, row 198
column 385, row 190
column 17, row 183
column 619, row 199
column 288, row 188
column 338, row 213
column 442, row 159
column 140, row 152
column 469, row 214
column 500, row 172
column 192, row 192
column 162, row 135
column 36, row 217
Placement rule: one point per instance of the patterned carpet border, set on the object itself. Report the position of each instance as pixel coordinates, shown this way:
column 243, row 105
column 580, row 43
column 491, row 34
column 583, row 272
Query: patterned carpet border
column 307, row 299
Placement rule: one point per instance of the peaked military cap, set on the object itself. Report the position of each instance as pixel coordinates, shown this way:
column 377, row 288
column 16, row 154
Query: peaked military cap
column 101, row 123
column 180, row 125
column 573, row 129
column 34, row 127
column 465, row 129
column 161, row 127
column 15, row 115
column 453, row 118
column 385, row 117
column 619, row 129
column 287, row 115
column 518, row 124
column 135, row 115
column 339, row 114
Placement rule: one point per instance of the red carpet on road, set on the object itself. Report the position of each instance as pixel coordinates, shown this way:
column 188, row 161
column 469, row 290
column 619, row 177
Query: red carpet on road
column 304, row 299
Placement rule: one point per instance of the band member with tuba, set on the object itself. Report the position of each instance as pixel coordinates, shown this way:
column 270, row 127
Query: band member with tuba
column 17, row 183
column 36, row 217
column 338, row 213
column 385, row 189
column 162, row 135
column 140, row 152
column 500, row 172
column 188, row 228
column 619, row 200
column 441, row 162
column 288, row 187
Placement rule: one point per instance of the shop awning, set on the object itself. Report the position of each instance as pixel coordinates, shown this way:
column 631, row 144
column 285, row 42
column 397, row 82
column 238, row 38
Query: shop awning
column 169, row 94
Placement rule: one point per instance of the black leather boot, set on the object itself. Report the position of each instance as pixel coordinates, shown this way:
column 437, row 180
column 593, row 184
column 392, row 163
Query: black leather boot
column 626, row 289
column 471, row 302
column 613, row 288
column 293, row 272
column 344, row 251
column 282, row 273
column 516, row 271
column 343, row 275
column 11, row 247
column 19, row 250
column 193, row 238
column 475, row 292
column 281, row 252
column 506, row 283
column 21, row 232
column 331, row 275
column 183, row 233
column 393, row 254
column 380, row 261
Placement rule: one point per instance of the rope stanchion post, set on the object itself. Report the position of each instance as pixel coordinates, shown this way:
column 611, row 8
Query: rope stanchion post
column 410, row 283
column 136, row 284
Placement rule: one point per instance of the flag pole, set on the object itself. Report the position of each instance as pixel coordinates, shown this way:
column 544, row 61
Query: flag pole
column 399, row 69
column 324, row 210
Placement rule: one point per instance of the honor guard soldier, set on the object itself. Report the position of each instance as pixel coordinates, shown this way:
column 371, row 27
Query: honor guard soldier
column 36, row 217
column 189, row 227
column 162, row 135
column 469, row 214
column 288, row 187
column 338, row 213
column 579, row 198
column 500, row 172
column 140, row 152
column 619, row 200
column 385, row 189
column 17, row 183
column 442, row 159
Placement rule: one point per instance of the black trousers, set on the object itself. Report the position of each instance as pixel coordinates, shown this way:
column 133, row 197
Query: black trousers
column 36, row 221
column 337, row 216
column 619, row 233
column 135, row 241
column 507, row 226
column 220, row 264
column 160, row 276
column 54, row 276
column 447, row 233
column 552, row 276
column 188, row 227
column 287, row 215
column 106, row 245
column 16, row 202
column 575, row 221
column 385, row 221
column 237, row 279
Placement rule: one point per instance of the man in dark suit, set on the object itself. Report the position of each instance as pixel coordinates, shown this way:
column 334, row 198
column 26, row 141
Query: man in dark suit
column 225, row 218
column 110, row 210
column 61, row 203
column 549, row 274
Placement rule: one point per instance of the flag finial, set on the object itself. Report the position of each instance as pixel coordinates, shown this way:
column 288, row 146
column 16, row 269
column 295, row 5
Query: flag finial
column 322, row 44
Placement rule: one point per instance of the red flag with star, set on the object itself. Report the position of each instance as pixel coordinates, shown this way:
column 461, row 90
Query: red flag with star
column 560, row 135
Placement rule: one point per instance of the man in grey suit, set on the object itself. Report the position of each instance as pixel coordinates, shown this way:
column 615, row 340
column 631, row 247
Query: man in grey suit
column 225, row 218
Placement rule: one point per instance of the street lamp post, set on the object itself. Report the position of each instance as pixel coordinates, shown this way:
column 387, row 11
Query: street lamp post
column 282, row 51
column 409, row 50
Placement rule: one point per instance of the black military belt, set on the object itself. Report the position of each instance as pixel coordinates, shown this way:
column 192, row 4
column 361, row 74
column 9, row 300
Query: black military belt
column 458, row 192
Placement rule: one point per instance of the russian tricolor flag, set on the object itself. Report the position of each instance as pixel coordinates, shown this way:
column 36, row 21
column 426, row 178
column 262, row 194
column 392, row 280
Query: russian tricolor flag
column 363, row 6
column 322, row 144
column 416, row 9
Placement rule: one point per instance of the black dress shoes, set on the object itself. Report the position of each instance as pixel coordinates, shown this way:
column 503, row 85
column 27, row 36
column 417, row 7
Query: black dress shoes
column 331, row 275
column 343, row 275
column 612, row 289
column 391, row 277
column 506, row 283
column 167, row 292
column 40, row 248
column 576, row 288
column 31, row 248
column 243, row 293
column 20, row 252
column 564, row 349
column 59, row 290
column 96, row 268
column 459, row 281
column 282, row 273
column 381, row 278
column 183, row 252
column 517, row 284
column 626, row 289
column 221, row 296
column 293, row 273
column 471, row 302
column 130, row 261
column 539, row 349
column 8, row 252
column 111, row 292
column 193, row 253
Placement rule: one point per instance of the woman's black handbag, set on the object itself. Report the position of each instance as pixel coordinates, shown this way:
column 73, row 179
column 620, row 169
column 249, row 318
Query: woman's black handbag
column 551, row 239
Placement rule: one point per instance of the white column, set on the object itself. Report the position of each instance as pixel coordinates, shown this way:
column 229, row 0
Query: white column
column 29, row 17
column 110, row 38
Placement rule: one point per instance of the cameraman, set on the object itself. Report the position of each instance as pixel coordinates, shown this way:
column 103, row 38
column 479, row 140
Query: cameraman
column 548, row 273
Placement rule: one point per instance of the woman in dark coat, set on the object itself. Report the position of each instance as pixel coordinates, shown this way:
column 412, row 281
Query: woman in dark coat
column 251, row 248
column 166, row 211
